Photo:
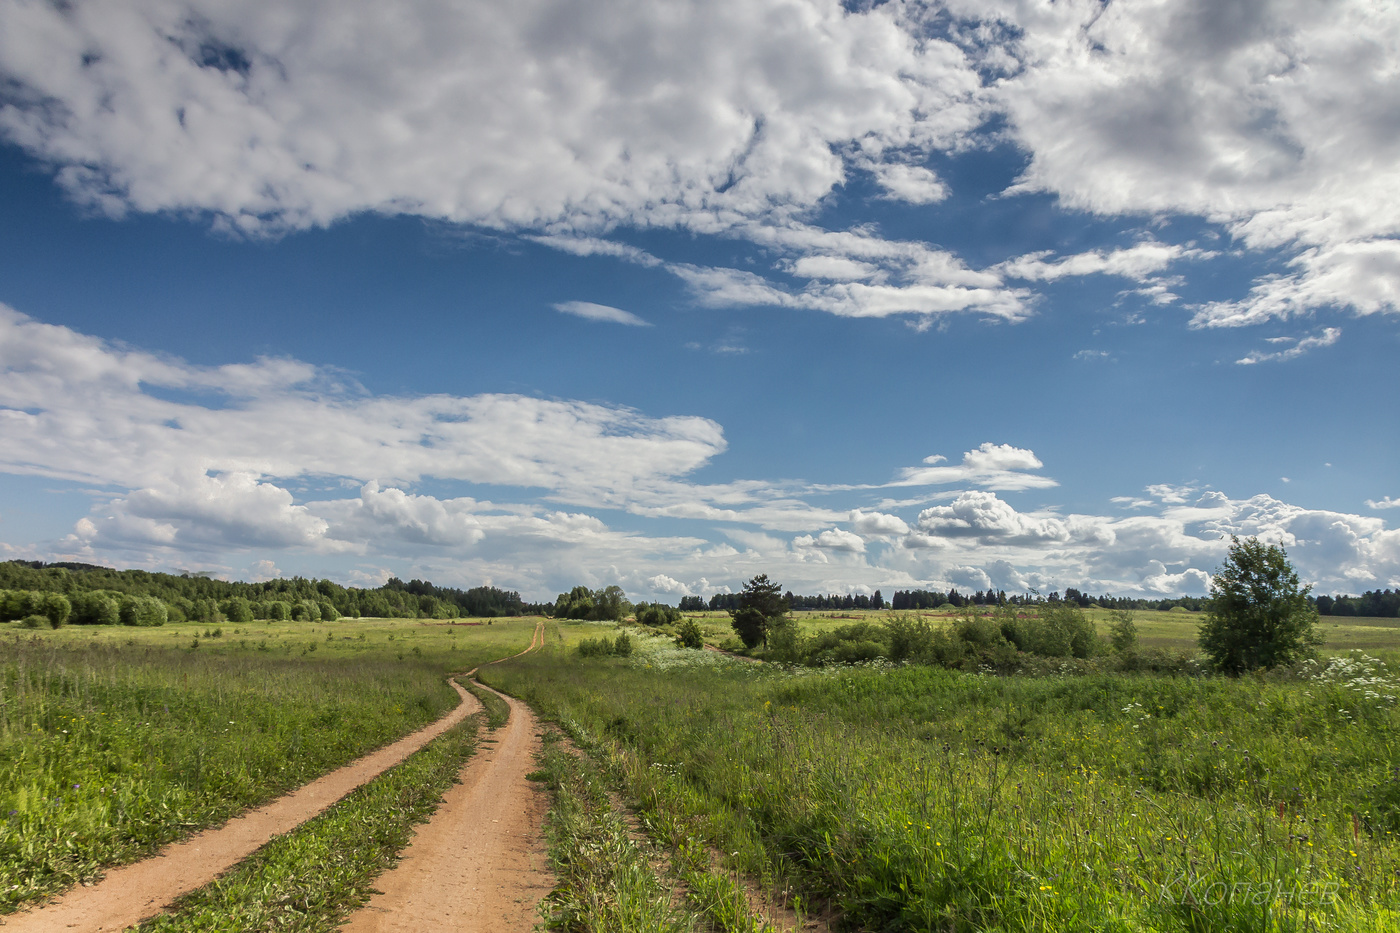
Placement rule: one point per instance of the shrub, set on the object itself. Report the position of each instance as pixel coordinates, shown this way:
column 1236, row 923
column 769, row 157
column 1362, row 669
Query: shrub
column 95, row 608
column 57, row 609
column 689, row 635
column 1123, row 631
column 622, row 645
column 142, row 610
column 911, row 639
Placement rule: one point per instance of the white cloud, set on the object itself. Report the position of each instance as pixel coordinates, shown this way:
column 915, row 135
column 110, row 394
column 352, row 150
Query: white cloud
column 992, row 466
column 1272, row 117
column 1139, row 262
column 834, row 539
column 837, row 268
column 983, row 515
column 78, row 408
column 877, row 523
column 1386, row 503
column 532, row 114
column 912, row 183
column 1361, row 276
column 1326, row 338
column 595, row 312
column 279, row 459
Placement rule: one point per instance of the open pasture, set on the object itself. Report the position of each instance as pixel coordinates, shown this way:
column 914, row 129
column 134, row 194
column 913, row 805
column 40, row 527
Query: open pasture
column 928, row 799
column 1172, row 631
column 114, row 740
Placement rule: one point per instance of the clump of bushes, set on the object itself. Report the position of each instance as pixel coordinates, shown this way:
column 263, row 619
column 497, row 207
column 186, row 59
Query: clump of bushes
column 656, row 614
column 620, row 647
column 688, row 635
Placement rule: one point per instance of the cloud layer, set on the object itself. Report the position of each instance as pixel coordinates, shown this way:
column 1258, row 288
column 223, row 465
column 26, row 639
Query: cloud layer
column 227, row 467
column 1274, row 120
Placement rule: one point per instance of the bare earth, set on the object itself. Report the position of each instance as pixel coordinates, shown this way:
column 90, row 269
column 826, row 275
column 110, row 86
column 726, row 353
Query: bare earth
column 127, row 895
column 479, row 864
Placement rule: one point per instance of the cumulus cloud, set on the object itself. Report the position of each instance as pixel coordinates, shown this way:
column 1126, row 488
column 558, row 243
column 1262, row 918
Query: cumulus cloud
column 530, row 115
column 992, row 466
column 1386, row 503
column 595, row 312
column 834, row 539
column 877, row 523
column 277, row 457
column 983, row 515
column 1274, row 118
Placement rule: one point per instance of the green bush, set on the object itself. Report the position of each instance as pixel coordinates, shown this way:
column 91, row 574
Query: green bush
column 689, row 635
column 57, row 609
column 142, row 611
column 34, row 621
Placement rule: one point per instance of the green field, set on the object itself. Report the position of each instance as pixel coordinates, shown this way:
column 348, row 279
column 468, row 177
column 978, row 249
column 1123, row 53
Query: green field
column 926, row 799
column 1174, row 631
column 892, row 798
column 115, row 741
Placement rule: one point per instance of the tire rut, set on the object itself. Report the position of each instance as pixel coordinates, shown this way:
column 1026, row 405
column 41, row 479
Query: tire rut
column 131, row 893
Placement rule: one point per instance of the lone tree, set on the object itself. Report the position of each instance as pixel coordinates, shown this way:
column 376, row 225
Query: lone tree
column 761, row 606
column 1258, row 616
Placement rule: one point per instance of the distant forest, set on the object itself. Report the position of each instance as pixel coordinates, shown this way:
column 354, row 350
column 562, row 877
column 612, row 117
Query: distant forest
column 1377, row 603
column 199, row 598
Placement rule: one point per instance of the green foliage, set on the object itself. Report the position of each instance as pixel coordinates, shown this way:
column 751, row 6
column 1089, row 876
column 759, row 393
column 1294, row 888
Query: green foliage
column 922, row 799
column 142, row 611
column 656, row 614
column 237, row 610
column 1258, row 616
column 608, row 604
column 688, row 635
column 761, row 606
column 606, row 881
column 57, row 609
column 1123, row 631
column 1059, row 630
column 621, row 646
column 113, row 743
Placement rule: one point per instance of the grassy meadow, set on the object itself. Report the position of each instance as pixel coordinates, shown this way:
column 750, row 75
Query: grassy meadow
column 115, row 740
column 919, row 798
column 1170, row 631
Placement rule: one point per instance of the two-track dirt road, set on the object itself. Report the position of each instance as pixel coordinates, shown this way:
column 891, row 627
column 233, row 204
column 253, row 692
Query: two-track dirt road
column 495, row 814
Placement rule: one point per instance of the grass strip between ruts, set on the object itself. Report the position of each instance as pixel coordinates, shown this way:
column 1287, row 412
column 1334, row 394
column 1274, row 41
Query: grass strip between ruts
column 311, row 878
column 606, row 882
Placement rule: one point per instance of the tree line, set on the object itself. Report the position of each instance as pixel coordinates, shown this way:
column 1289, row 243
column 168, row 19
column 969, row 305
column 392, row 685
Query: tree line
column 1382, row 603
column 101, row 595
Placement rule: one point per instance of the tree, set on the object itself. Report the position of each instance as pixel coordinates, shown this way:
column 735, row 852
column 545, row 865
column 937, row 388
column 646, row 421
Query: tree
column 1257, row 617
column 761, row 606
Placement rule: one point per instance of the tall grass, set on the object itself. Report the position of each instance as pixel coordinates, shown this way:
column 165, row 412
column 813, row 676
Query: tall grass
column 924, row 799
column 111, row 747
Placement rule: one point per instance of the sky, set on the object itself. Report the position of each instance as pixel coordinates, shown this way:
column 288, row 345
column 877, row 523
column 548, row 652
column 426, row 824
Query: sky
column 668, row 294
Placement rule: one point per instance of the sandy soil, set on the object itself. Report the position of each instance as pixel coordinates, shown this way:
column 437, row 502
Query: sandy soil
column 480, row 863
column 128, row 895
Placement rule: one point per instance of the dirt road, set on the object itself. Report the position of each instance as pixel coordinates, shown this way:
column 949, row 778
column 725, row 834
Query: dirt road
column 479, row 864
column 131, row 893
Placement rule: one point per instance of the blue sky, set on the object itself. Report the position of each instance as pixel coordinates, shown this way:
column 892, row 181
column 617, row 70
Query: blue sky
column 668, row 295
